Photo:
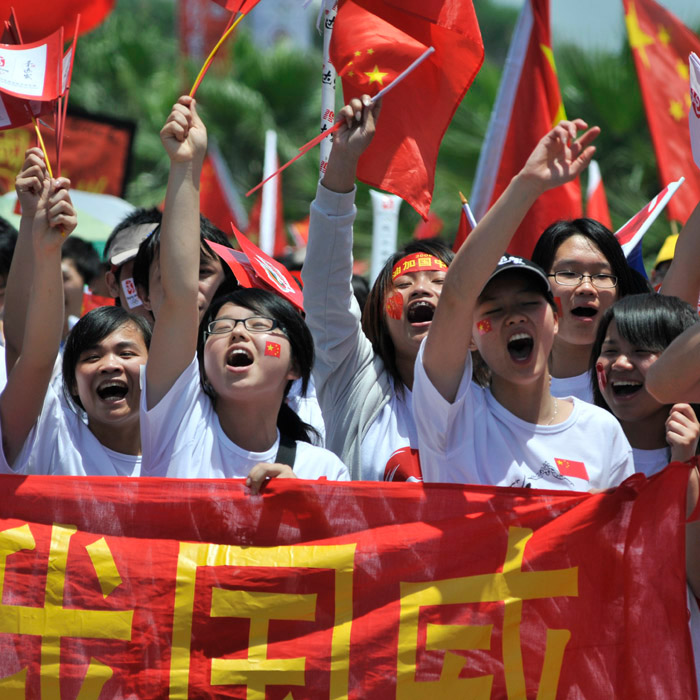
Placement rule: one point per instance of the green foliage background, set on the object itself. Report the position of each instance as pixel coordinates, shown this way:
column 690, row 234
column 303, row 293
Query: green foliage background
column 130, row 67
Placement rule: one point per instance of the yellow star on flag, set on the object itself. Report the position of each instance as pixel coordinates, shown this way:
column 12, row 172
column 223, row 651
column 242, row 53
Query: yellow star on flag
column 370, row 51
column 675, row 109
column 358, row 53
column 638, row 39
column 664, row 36
column 682, row 70
column 376, row 76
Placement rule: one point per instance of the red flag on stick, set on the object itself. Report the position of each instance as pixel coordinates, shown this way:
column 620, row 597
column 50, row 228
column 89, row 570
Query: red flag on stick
column 596, row 201
column 660, row 45
column 527, row 107
column 373, row 40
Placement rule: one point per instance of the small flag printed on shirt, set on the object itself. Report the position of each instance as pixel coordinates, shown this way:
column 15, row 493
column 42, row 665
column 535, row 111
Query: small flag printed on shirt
column 273, row 349
column 569, row 467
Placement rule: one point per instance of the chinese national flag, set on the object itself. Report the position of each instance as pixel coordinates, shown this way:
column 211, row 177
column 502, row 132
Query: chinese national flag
column 570, row 467
column 375, row 40
column 273, row 349
column 528, row 105
column 660, row 45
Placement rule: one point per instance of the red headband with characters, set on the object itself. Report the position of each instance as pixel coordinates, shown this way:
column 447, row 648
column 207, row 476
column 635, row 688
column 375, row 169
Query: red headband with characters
column 417, row 262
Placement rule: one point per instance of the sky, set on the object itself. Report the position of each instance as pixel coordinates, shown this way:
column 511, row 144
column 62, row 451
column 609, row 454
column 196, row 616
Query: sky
column 599, row 24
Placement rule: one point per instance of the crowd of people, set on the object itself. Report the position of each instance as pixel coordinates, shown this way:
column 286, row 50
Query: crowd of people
column 567, row 371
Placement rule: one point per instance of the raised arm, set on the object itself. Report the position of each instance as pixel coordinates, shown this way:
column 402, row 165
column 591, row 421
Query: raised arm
column 683, row 277
column 28, row 185
column 349, row 143
column 174, row 339
column 675, row 376
column 23, row 397
column 557, row 159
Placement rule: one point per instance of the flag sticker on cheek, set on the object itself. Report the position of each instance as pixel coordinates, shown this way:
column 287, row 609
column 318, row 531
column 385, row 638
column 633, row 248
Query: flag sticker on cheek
column 273, row 349
column 560, row 310
column 484, row 326
column 394, row 306
column 600, row 372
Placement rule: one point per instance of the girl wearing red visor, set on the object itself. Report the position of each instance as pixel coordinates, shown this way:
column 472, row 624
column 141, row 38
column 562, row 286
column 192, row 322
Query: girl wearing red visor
column 364, row 364
column 512, row 431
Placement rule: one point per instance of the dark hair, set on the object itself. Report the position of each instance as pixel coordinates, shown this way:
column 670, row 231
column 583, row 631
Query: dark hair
column 373, row 317
column 269, row 304
column 360, row 288
column 149, row 249
column 8, row 241
column 84, row 256
column 601, row 237
column 648, row 321
column 88, row 332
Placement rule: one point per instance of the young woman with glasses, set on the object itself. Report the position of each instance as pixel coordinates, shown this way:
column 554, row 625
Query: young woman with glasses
column 588, row 272
column 230, row 421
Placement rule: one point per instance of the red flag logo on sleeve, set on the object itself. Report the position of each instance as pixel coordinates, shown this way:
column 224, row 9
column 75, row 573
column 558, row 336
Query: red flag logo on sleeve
column 375, row 40
column 570, row 467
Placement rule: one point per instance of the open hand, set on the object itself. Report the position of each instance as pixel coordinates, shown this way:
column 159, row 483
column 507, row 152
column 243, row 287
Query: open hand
column 560, row 157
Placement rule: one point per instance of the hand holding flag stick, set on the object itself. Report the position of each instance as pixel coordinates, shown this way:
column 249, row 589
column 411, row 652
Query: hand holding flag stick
column 317, row 139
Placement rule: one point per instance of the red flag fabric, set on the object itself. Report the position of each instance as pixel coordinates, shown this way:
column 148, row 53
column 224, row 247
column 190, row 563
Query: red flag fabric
column 39, row 18
column 217, row 193
column 154, row 588
column 94, row 301
column 381, row 38
column 243, row 6
column 660, row 45
column 528, row 105
column 429, row 228
column 465, row 228
column 596, row 201
column 253, row 229
column 201, row 24
column 33, row 70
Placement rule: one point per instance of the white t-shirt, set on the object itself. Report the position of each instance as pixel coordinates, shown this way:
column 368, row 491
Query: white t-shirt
column 475, row 440
column 181, row 437
column 578, row 386
column 61, row 443
column 389, row 450
column 650, row 462
column 307, row 408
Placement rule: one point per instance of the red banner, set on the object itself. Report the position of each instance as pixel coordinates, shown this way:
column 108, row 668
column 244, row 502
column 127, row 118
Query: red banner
column 155, row 588
column 96, row 153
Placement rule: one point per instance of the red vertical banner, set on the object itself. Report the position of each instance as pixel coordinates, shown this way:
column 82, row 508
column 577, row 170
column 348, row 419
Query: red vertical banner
column 528, row 105
column 201, row 24
column 660, row 45
column 154, row 588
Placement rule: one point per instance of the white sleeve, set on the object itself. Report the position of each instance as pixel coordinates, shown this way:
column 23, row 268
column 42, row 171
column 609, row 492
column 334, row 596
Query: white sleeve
column 622, row 457
column 440, row 425
column 163, row 424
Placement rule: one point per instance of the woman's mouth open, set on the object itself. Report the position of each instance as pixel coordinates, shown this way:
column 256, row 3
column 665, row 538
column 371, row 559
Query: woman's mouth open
column 520, row 347
column 420, row 313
